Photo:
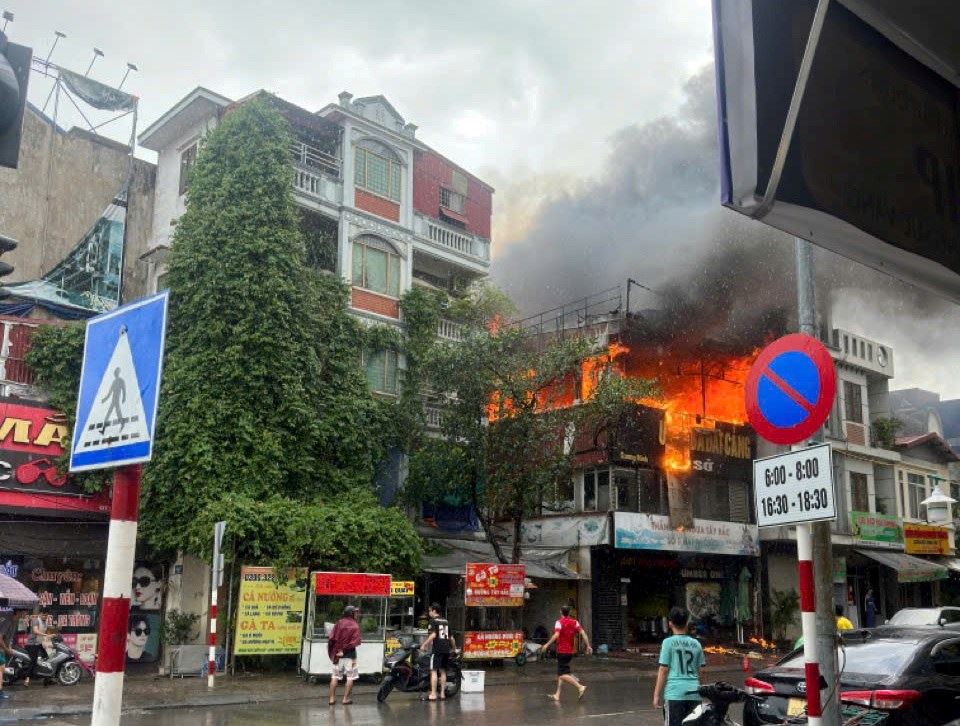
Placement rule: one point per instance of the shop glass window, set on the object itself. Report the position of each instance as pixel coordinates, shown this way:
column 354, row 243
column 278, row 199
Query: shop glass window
column 377, row 173
column 859, row 492
column 589, row 491
column 381, row 370
column 711, row 499
column 916, row 493
column 852, row 402
column 653, row 492
column 628, row 494
column 376, row 266
column 603, row 490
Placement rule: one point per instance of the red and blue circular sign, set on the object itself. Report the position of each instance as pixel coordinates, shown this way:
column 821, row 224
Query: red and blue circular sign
column 790, row 389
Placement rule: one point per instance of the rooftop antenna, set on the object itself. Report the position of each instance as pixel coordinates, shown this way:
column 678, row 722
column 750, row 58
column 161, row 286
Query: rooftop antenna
column 54, row 46
column 97, row 53
column 130, row 67
column 7, row 17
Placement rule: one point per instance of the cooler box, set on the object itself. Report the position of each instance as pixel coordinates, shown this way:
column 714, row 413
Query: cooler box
column 472, row 682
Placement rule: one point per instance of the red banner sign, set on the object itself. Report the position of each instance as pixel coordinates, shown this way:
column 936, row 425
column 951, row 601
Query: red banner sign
column 494, row 585
column 351, row 583
column 504, row 644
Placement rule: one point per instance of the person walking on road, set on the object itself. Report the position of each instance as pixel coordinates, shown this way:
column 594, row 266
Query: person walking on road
column 443, row 645
column 342, row 649
column 678, row 678
column 565, row 634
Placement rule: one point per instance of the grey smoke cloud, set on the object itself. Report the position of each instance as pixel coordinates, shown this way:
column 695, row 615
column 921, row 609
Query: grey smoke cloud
column 653, row 213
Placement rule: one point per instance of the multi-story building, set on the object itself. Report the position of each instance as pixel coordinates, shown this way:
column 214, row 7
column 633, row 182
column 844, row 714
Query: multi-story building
column 378, row 206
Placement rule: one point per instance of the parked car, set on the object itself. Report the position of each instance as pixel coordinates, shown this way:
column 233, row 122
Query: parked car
column 914, row 617
column 912, row 673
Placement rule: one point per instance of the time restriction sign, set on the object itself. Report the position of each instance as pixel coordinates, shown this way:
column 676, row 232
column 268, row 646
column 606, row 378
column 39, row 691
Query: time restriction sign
column 794, row 487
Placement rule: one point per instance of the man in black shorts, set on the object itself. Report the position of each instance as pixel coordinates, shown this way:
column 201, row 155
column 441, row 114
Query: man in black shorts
column 443, row 645
column 565, row 634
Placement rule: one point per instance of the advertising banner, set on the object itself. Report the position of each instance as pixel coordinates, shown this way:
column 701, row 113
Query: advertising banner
column 492, row 644
column 634, row 531
column 494, row 585
column 360, row 584
column 925, row 539
column 269, row 617
column 876, row 529
column 401, row 588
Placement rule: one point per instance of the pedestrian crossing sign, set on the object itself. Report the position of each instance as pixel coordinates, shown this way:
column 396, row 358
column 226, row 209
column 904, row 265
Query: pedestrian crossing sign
column 120, row 386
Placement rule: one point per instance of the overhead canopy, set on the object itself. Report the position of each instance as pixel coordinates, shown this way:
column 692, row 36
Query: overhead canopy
column 14, row 595
column 540, row 563
column 951, row 563
column 908, row 567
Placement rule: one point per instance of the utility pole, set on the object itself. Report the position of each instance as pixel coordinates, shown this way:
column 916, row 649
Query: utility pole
column 815, row 538
column 216, row 580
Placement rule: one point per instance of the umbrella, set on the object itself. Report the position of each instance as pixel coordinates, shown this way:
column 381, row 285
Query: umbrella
column 14, row 595
column 743, row 605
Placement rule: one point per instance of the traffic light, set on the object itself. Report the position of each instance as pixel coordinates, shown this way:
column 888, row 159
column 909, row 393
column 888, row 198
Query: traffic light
column 6, row 245
column 14, row 75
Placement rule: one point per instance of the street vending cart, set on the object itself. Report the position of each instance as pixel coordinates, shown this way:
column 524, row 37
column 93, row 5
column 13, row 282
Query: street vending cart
column 400, row 619
column 493, row 596
column 330, row 593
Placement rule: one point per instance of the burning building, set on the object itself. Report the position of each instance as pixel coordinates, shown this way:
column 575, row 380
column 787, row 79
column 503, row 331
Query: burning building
column 665, row 494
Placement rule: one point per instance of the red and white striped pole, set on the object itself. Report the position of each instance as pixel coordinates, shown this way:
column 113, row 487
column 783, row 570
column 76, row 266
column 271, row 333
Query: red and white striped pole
column 115, row 608
column 808, row 619
column 216, row 576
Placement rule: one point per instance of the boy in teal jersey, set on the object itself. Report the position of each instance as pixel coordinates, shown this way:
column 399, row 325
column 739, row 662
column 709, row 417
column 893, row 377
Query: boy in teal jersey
column 681, row 658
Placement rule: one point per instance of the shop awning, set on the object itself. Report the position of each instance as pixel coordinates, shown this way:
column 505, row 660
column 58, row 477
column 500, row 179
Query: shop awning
column 542, row 563
column 908, row 567
column 951, row 563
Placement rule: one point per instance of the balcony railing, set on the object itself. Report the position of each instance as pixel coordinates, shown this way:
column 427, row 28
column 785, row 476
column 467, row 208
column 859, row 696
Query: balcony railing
column 453, row 239
column 449, row 330
column 313, row 159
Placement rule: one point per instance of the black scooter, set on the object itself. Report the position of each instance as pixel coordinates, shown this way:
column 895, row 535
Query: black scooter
column 408, row 670
column 63, row 666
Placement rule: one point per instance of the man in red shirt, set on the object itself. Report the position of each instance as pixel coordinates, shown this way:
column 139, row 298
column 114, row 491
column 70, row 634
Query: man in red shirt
column 565, row 635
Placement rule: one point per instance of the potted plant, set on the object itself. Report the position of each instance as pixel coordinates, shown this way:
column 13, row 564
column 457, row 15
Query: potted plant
column 784, row 606
column 178, row 629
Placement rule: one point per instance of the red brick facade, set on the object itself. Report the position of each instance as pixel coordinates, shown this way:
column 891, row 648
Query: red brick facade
column 362, row 199
column 430, row 172
column 374, row 303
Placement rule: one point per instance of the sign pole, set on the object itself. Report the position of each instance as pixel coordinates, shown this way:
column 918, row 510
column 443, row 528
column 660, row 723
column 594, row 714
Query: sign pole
column 117, row 584
column 821, row 554
column 808, row 621
column 216, row 576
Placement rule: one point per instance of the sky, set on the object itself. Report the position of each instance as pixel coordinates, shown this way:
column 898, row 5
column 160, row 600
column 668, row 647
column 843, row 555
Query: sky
column 593, row 121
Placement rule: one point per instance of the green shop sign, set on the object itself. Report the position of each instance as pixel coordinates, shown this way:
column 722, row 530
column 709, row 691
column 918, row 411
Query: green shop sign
column 875, row 528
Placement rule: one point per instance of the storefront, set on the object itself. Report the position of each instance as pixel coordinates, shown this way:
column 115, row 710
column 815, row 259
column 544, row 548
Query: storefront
column 710, row 569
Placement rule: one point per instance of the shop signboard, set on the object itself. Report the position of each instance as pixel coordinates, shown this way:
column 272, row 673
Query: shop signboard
column 637, row 440
column 723, row 452
column 879, row 530
column 492, row 644
column 925, row 539
column 269, row 615
column 494, row 585
column 30, row 444
column 143, row 623
column 839, row 570
column 359, row 584
column 635, row 531
column 401, row 588
column 574, row 530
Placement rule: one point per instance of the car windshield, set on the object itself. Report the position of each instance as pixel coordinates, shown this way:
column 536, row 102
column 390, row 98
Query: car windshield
column 881, row 657
column 915, row 616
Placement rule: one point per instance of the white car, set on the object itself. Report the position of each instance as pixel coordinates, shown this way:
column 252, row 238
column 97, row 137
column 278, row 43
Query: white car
column 914, row 617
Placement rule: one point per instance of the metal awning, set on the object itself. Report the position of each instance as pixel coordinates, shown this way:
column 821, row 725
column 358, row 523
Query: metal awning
column 908, row 567
column 951, row 563
column 541, row 563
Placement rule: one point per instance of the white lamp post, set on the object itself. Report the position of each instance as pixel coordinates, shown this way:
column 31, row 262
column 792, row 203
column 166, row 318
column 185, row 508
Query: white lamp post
column 938, row 506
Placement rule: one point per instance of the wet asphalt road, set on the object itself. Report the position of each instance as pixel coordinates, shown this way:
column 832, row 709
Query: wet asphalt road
column 625, row 700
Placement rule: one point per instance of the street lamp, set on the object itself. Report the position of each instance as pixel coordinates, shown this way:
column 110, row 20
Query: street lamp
column 938, row 506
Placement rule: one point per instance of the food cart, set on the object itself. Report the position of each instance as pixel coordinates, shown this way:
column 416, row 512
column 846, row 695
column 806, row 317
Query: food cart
column 330, row 593
column 400, row 618
column 493, row 596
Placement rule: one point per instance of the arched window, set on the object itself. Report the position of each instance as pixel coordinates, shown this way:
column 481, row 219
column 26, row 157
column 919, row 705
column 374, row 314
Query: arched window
column 376, row 265
column 377, row 169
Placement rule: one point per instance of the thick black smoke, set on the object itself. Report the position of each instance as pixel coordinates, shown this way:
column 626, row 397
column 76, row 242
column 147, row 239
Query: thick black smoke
column 653, row 214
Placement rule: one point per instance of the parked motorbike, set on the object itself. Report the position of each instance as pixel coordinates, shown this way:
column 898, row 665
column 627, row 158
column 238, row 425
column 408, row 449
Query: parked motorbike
column 63, row 666
column 408, row 670
column 720, row 697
